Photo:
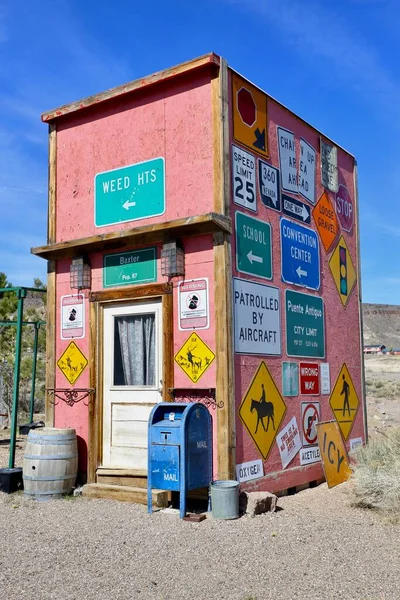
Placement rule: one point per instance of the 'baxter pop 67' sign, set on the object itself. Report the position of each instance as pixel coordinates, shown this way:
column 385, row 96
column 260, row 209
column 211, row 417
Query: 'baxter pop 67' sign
column 129, row 193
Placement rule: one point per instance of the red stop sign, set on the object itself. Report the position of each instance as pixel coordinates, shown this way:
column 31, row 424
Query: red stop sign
column 246, row 106
column 344, row 208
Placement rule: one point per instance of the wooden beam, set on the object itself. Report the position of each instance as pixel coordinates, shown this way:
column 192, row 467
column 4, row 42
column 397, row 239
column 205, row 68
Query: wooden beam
column 359, row 290
column 145, row 234
column 128, row 88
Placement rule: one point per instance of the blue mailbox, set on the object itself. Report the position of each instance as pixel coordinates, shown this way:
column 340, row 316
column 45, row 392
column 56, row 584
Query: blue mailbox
column 179, row 450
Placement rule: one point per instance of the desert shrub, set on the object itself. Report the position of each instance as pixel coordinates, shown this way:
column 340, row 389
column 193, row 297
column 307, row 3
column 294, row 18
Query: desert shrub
column 379, row 384
column 376, row 475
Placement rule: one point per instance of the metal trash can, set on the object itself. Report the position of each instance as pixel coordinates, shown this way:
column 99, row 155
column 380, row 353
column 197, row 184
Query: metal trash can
column 225, row 499
column 179, row 450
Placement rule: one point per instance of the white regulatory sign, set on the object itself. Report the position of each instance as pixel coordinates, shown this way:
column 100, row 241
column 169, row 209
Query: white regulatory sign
column 325, row 378
column 250, row 470
column 329, row 169
column 244, row 178
column 72, row 317
column 307, row 171
column 289, row 442
column 256, row 310
column 287, row 159
column 193, row 304
column 310, row 416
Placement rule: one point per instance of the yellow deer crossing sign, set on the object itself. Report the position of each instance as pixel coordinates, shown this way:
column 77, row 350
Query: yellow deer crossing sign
column 194, row 357
column 72, row 362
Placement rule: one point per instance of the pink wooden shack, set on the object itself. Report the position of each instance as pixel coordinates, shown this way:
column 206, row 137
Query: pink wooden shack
column 202, row 247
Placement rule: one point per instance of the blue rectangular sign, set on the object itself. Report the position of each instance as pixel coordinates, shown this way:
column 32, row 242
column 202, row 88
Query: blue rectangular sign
column 299, row 255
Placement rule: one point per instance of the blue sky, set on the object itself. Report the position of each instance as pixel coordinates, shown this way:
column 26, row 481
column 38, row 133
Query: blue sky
column 332, row 63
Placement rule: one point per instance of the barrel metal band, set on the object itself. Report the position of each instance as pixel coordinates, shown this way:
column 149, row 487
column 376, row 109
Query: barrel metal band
column 60, row 478
column 49, row 456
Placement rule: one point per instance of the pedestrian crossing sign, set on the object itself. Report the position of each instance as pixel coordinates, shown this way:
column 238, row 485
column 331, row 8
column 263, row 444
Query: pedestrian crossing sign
column 344, row 401
column 262, row 410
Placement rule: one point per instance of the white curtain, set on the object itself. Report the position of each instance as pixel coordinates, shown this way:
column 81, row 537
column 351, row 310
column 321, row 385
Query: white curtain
column 137, row 338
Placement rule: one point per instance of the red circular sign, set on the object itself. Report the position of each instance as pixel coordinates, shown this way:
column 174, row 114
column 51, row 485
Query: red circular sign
column 246, row 106
column 310, row 418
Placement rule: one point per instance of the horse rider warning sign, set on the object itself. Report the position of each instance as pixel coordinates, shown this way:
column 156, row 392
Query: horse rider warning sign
column 262, row 410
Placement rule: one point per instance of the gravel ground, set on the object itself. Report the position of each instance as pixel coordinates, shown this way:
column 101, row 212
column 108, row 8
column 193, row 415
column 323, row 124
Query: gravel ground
column 315, row 547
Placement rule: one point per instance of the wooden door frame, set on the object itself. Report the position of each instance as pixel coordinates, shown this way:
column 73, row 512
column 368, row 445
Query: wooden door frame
column 97, row 302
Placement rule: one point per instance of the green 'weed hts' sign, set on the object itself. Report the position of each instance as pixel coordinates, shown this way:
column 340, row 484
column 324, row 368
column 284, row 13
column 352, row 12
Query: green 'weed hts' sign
column 129, row 193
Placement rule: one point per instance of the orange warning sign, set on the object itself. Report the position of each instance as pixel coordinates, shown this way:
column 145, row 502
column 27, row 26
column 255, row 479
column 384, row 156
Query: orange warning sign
column 326, row 220
column 333, row 453
column 249, row 115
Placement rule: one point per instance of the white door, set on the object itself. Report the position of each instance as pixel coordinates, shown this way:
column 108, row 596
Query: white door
column 132, row 373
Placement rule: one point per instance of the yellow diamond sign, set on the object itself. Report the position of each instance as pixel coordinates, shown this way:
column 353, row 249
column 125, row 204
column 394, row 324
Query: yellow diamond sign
column 262, row 410
column 344, row 401
column 343, row 271
column 194, row 357
column 72, row 362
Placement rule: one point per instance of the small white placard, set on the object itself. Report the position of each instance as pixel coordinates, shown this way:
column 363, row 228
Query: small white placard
column 250, row 470
column 289, row 442
column 287, row 159
column 325, row 378
column 306, row 178
column 355, row 443
column 193, row 304
column 310, row 455
column 244, row 178
column 72, row 317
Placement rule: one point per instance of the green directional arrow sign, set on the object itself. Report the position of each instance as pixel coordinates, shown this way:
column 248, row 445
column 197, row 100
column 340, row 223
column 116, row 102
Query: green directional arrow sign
column 253, row 246
column 129, row 193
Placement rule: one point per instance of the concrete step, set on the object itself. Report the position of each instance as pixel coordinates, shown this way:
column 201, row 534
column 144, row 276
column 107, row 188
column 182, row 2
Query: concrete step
column 125, row 493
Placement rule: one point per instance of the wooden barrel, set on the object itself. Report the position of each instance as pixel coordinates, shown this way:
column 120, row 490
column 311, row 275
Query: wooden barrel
column 50, row 463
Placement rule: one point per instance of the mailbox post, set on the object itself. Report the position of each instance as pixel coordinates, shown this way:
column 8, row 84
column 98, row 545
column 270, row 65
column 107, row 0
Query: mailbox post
column 179, row 450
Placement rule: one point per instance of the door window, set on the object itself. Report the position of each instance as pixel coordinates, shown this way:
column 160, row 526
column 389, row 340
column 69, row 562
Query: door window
column 135, row 350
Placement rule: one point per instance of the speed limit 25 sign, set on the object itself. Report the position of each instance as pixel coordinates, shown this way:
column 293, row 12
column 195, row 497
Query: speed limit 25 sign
column 244, row 178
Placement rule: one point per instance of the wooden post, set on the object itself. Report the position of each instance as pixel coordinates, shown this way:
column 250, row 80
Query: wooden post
column 226, row 435
column 51, row 278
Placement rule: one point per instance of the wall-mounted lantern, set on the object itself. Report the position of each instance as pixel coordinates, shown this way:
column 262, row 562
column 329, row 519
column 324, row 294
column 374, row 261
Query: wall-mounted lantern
column 80, row 274
column 172, row 260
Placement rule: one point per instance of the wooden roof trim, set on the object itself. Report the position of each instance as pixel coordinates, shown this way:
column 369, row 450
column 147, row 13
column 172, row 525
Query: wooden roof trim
column 121, row 90
column 127, row 238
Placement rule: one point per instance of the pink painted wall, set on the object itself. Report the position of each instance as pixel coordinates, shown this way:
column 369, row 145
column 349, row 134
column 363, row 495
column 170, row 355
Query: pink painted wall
column 173, row 121
column 342, row 332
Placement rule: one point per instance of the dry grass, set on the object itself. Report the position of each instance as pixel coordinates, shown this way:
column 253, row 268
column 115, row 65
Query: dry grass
column 376, row 476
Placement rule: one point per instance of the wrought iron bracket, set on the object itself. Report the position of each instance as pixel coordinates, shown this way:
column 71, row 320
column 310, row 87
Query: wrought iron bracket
column 204, row 395
column 70, row 396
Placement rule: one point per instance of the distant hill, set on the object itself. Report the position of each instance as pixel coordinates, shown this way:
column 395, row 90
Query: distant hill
column 381, row 324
